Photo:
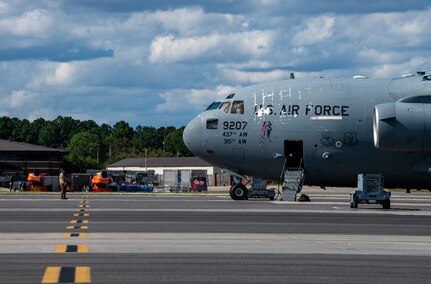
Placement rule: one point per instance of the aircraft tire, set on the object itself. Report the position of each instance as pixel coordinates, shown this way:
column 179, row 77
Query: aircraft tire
column 387, row 204
column 238, row 192
column 354, row 203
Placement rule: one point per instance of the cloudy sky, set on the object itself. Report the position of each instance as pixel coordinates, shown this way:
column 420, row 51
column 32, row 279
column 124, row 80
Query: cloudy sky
column 160, row 62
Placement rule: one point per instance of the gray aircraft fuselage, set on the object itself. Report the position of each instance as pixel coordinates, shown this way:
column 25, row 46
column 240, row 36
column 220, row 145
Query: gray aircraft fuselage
column 345, row 127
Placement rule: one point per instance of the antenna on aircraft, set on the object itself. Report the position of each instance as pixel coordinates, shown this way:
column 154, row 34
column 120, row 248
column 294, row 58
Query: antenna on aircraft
column 292, row 75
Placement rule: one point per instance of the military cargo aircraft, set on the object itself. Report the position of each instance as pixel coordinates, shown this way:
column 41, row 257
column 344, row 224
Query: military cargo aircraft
column 325, row 131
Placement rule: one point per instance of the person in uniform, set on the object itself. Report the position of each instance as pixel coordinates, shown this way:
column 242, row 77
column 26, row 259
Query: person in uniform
column 63, row 184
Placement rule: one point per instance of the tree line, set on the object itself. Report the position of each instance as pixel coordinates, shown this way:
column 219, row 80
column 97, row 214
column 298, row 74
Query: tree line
column 93, row 146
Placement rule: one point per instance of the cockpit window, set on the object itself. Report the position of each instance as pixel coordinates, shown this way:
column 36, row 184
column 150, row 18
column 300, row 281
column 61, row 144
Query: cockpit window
column 212, row 123
column 237, row 107
column 214, row 105
column 225, row 106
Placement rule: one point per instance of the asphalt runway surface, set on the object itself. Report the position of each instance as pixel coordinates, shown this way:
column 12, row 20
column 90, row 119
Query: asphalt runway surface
column 191, row 238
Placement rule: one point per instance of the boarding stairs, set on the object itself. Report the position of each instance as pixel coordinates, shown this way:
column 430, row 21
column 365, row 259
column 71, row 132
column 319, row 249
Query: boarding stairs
column 293, row 180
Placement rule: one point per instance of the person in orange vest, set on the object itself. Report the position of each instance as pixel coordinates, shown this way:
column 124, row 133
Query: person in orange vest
column 63, row 183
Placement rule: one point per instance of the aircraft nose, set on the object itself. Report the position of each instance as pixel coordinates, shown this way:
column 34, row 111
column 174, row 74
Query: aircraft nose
column 192, row 135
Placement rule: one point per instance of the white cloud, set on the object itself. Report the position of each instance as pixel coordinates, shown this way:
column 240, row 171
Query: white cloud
column 389, row 70
column 191, row 100
column 4, row 7
column 63, row 74
column 318, row 29
column 35, row 23
column 20, row 98
column 256, row 64
column 386, row 30
column 187, row 21
column 186, row 53
column 381, row 57
column 167, row 49
column 255, row 77
column 46, row 113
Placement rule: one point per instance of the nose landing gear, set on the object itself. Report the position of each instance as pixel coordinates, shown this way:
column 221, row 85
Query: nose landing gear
column 258, row 190
column 238, row 192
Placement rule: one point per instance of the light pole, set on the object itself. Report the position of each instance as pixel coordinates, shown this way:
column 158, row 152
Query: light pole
column 146, row 160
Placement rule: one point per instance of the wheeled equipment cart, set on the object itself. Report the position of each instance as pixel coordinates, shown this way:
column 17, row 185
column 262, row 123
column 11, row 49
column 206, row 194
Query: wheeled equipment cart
column 370, row 190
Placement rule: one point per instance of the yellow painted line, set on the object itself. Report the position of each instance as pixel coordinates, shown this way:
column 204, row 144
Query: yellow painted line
column 83, row 274
column 52, row 274
column 77, row 227
column 83, row 248
column 60, row 248
column 81, row 215
column 57, row 274
column 78, row 235
column 79, row 222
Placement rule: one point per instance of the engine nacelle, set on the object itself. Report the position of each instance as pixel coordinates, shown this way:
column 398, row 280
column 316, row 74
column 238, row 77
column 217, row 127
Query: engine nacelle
column 402, row 126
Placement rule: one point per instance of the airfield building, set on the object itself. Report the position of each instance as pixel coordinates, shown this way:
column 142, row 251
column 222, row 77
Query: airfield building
column 22, row 158
column 171, row 170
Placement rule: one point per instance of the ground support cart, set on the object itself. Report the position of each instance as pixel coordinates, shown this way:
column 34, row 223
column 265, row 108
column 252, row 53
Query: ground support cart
column 370, row 190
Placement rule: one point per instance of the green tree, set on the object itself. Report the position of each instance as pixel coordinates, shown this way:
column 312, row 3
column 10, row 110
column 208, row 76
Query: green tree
column 88, row 125
column 91, row 145
column 174, row 144
column 66, row 127
column 23, row 132
column 144, row 137
column 85, row 144
column 79, row 164
column 7, row 125
column 171, row 143
column 104, row 134
column 182, row 148
column 121, row 137
column 49, row 135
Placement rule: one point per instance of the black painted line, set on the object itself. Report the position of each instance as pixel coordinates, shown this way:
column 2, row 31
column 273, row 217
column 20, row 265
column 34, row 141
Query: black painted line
column 71, row 248
column 75, row 235
column 77, row 227
column 67, row 275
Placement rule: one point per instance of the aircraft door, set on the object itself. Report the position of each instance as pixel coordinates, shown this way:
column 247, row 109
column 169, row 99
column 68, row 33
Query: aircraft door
column 294, row 154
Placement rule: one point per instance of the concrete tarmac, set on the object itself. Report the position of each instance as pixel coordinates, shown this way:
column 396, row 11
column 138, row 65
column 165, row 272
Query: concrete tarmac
column 209, row 238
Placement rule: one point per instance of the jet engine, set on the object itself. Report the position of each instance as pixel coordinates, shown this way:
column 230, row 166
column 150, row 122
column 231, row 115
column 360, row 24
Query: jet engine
column 402, row 126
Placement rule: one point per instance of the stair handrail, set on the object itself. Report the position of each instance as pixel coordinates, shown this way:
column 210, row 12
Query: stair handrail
column 300, row 177
column 283, row 170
